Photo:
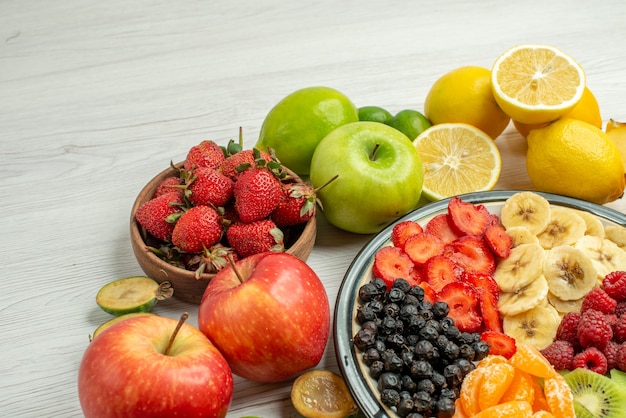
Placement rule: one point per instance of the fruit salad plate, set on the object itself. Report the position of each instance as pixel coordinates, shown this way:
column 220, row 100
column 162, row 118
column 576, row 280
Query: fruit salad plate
column 356, row 373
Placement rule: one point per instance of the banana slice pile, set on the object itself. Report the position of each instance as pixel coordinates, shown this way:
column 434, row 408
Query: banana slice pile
column 559, row 254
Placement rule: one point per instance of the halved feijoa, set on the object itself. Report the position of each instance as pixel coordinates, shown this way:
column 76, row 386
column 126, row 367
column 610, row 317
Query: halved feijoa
column 114, row 321
column 132, row 294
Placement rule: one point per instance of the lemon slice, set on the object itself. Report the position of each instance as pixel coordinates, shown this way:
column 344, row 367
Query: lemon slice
column 322, row 394
column 457, row 158
column 536, row 83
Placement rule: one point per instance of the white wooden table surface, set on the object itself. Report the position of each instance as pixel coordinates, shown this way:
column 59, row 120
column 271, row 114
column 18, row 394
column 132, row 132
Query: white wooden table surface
column 96, row 97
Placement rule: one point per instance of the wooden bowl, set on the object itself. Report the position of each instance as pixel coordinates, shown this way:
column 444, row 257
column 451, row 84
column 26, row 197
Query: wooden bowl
column 299, row 241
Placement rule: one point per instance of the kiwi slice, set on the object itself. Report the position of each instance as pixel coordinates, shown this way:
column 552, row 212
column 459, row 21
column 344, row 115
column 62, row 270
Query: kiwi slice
column 619, row 377
column 595, row 395
column 114, row 321
column 132, row 294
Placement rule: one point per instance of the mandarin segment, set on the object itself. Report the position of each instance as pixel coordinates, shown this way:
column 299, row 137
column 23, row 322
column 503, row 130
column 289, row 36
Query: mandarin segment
column 495, row 382
column 530, row 360
column 513, row 409
column 520, row 389
column 470, row 390
column 559, row 397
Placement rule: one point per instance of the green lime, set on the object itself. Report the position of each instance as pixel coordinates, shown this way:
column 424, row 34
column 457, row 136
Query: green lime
column 374, row 114
column 294, row 127
column 410, row 122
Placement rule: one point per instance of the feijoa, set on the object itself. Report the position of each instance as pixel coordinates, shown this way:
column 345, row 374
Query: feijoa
column 132, row 294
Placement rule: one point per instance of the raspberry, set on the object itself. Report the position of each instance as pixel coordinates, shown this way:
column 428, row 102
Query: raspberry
column 621, row 357
column 592, row 359
column 620, row 308
column 568, row 328
column 599, row 300
column 594, row 330
column 611, row 352
column 615, row 285
column 560, row 354
column 619, row 329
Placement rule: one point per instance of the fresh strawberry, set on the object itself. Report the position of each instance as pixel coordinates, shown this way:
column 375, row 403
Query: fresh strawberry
column 440, row 270
column 211, row 260
column 206, row 154
column 441, row 227
column 168, row 185
column 197, row 228
column 489, row 311
column 209, row 187
column 468, row 218
column 242, row 159
column 422, row 246
column 499, row 343
column 429, row 293
column 158, row 215
column 462, row 300
column 403, row 231
column 297, row 205
column 482, row 282
column 391, row 263
column 257, row 193
column 472, row 254
column 255, row 237
column 498, row 240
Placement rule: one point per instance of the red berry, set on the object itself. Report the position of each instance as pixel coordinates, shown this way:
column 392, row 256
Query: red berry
column 441, row 227
column 489, row 310
column 568, row 328
column 499, row 343
column 621, row 357
column 296, row 206
column 468, row 218
column 206, row 154
column 472, row 254
column 198, row 228
column 168, row 185
column 498, row 240
column 210, row 187
column 592, row 359
column 482, row 281
column 429, row 293
column 391, row 263
column 158, row 215
column 235, row 163
column 560, row 354
column 421, row 247
column 611, row 352
column 620, row 309
column 404, row 230
column 440, row 270
column 255, row 237
column 462, row 301
column 599, row 300
column 619, row 329
column 257, row 193
column 615, row 285
column 594, row 330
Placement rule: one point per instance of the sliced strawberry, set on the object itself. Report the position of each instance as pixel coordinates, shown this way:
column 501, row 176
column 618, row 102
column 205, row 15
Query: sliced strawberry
column 499, row 343
column 468, row 218
column 472, row 254
column 489, row 311
column 482, row 282
column 403, row 231
column 462, row 301
column 498, row 240
column 429, row 293
column 441, row 227
column 391, row 263
column 422, row 246
column 440, row 270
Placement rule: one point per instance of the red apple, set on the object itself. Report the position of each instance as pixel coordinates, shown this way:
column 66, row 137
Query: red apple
column 269, row 316
column 131, row 369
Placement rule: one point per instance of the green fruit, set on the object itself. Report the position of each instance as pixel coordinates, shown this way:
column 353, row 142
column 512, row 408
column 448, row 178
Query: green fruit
column 115, row 320
column 374, row 114
column 294, row 127
column 132, row 294
column 410, row 122
column 595, row 395
column 379, row 171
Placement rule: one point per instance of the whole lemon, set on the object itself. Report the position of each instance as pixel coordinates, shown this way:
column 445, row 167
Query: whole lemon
column 294, row 127
column 587, row 109
column 574, row 158
column 464, row 95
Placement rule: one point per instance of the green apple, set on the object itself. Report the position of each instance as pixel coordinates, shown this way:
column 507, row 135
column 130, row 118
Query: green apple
column 294, row 127
column 379, row 171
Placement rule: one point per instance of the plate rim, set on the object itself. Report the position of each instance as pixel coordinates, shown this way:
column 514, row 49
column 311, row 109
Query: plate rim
column 346, row 296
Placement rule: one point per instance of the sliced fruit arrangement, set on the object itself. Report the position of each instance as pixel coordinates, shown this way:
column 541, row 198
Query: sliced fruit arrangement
column 224, row 202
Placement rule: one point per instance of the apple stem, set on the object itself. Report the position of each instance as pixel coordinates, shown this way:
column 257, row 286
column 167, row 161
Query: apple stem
column 373, row 156
column 327, row 183
column 232, row 264
column 181, row 321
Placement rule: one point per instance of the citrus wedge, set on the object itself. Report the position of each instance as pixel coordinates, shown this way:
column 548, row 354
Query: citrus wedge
column 536, row 83
column 322, row 394
column 457, row 158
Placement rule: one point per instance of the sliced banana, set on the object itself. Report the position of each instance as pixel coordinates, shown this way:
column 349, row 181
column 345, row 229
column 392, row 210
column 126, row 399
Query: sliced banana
column 521, row 235
column 593, row 223
column 564, row 306
column 526, row 209
column 536, row 327
column 523, row 298
column 520, row 268
column 564, row 228
column 617, row 234
column 605, row 255
column 569, row 271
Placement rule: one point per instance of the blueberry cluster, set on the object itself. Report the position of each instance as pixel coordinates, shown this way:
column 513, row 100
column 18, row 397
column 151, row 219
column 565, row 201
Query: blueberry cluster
column 413, row 349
